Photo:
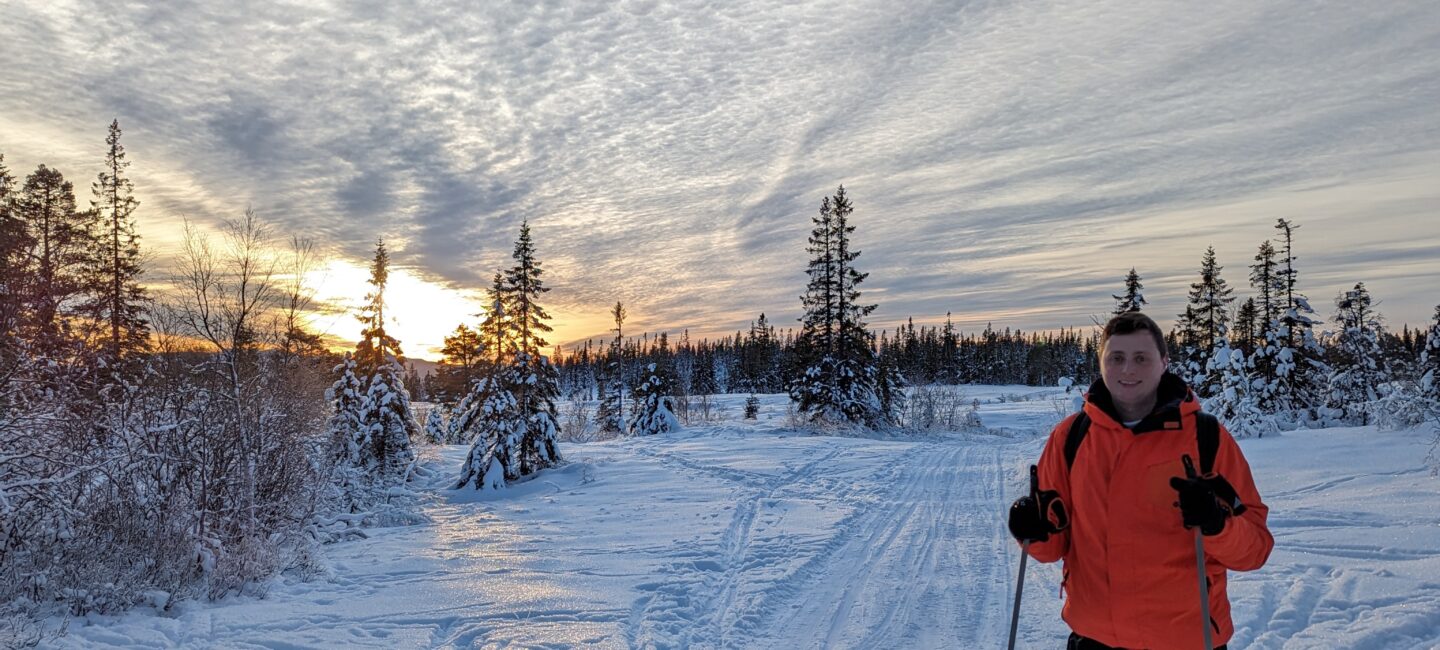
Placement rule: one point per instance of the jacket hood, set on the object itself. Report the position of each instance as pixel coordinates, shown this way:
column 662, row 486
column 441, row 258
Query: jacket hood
column 1173, row 400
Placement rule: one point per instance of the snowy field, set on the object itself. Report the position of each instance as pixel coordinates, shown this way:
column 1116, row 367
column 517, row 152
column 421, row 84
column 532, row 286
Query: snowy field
column 748, row 534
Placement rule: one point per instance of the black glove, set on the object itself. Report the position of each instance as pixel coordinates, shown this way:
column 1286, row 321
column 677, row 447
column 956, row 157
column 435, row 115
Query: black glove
column 1206, row 502
column 1035, row 516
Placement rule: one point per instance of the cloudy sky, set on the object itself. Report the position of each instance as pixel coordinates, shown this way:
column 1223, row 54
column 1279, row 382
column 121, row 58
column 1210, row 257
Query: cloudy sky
column 1009, row 161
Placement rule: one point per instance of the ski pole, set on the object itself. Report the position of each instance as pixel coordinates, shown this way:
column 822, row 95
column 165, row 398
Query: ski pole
column 1019, row 587
column 1024, row 555
column 1200, row 565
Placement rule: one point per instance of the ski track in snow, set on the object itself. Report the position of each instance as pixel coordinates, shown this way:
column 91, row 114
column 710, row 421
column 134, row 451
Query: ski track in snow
column 745, row 535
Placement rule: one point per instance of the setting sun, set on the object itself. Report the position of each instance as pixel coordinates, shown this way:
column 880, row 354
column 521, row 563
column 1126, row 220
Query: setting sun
column 418, row 312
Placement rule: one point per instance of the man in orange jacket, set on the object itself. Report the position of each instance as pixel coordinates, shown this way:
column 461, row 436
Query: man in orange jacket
column 1130, row 574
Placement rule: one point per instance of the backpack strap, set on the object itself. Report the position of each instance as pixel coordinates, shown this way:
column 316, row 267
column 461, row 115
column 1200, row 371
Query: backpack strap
column 1078, row 428
column 1207, row 438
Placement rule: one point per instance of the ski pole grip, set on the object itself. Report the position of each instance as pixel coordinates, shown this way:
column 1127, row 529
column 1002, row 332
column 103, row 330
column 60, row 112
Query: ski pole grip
column 1189, row 467
column 1035, row 482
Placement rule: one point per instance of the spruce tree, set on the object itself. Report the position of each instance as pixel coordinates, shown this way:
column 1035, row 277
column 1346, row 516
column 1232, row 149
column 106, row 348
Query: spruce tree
column 1356, row 372
column 436, row 432
column 492, row 414
column 387, row 423
column 653, row 412
column 523, row 288
column 348, row 439
column 377, row 347
column 610, row 416
column 839, row 381
column 512, row 411
column 1301, row 370
column 1207, row 318
column 1429, row 368
column 116, row 300
column 497, row 333
column 1265, row 361
column 1133, row 299
column 1234, row 399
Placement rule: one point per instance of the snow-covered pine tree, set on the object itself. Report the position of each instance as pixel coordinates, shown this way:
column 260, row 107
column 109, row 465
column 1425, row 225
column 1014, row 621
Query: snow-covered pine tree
column 1133, row 299
column 436, row 433
column 653, row 412
column 1267, row 318
column 1185, row 356
column 752, row 407
column 1206, row 319
column 839, row 380
column 1429, row 368
column 610, row 416
column 385, row 415
column 1235, row 399
column 491, row 418
column 347, row 436
column 388, row 422
column 1356, row 374
column 1301, row 372
column 512, row 411
column 538, row 390
column 1410, row 396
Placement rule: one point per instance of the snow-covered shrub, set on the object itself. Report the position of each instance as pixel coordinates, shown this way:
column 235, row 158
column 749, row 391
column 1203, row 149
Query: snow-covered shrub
column 195, row 476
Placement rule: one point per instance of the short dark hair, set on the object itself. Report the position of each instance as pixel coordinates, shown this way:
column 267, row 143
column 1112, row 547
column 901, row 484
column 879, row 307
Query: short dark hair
column 1131, row 322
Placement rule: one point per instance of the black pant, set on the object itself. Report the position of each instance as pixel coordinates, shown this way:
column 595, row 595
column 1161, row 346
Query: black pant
column 1078, row 642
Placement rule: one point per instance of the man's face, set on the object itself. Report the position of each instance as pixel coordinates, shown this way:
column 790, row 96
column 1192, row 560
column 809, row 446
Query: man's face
column 1131, row 366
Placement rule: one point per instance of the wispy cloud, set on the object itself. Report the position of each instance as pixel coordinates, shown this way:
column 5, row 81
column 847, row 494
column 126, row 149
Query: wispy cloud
column 1009, row 160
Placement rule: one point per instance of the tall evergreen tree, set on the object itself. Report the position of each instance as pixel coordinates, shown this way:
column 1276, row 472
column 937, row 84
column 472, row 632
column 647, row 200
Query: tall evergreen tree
column 1133, row 299
column 523, row 287
column 513, row 409
column 60, row 240
column 14, row 246
column 377, row 347
column 840, row 380
column 610, row 416
column 116, row 299
column 1302, row 371
column 1207, row 317
column 386, row 418
column 497, row 331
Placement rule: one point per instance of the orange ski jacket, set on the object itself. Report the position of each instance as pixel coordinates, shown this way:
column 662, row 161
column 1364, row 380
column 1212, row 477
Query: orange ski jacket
column 1129, row 573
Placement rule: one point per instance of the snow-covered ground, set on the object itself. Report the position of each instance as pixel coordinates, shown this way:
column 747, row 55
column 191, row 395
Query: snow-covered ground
column 747, row 534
